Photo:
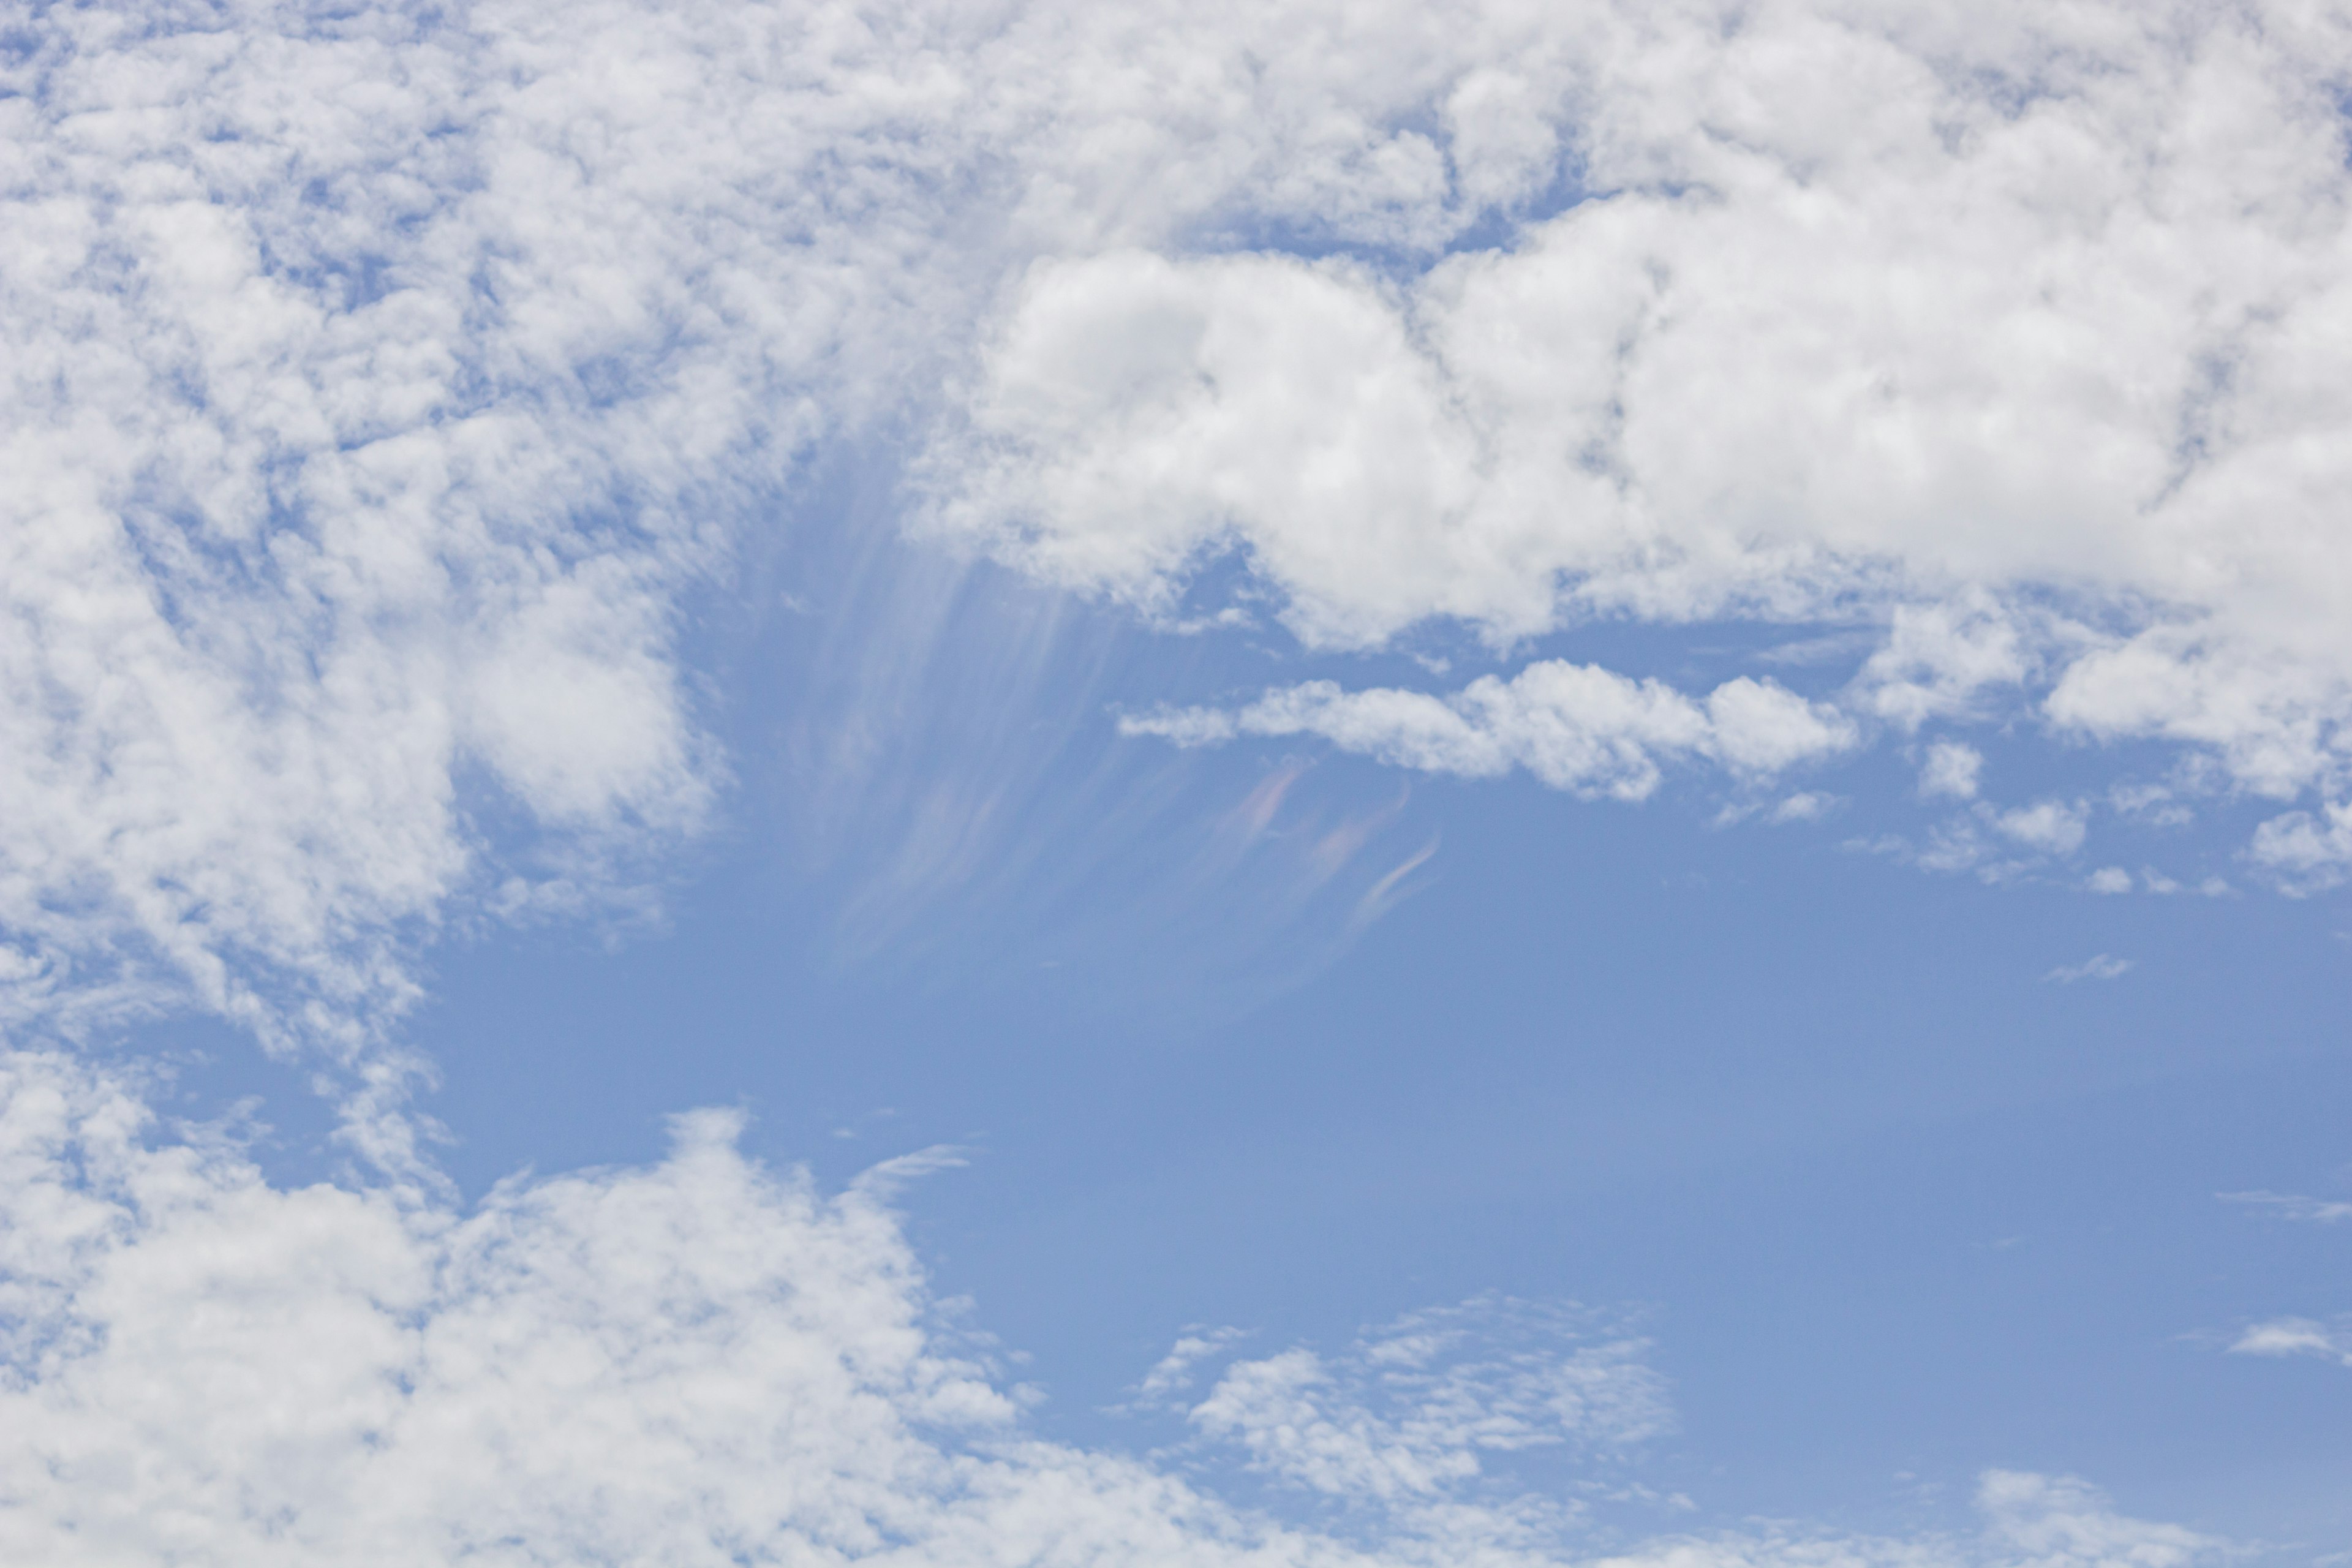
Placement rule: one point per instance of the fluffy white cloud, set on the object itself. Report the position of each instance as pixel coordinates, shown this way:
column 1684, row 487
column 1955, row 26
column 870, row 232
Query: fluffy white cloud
column 2052, row 827
column 1952, row 768
column 1576, row 727
column 2021, row 327
column 378, row 383
column 374, row 384
column 704, row 1362
column 2307, row 851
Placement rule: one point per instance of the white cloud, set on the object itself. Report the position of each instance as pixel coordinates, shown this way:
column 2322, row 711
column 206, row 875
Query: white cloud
column 2059, row 1523
column 2325, row 1211
column 1176, row 1371
column 1951, row 313
column 2307, row 852
column 378, row 385
column 2052, row 827
column 1952, row 769
column 374, row 388
column 1807, row 805
column 1576, row 727
column 2296, row 1336
column 2099, row 966
column 1408, row 1412
column 2109, row 880
column 702, row 1361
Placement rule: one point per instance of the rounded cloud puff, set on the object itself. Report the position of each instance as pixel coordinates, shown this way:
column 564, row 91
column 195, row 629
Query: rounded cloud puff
column 2024, row 330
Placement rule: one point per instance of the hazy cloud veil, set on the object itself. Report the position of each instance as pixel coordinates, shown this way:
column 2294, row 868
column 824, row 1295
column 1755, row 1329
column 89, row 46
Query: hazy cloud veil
column 382, row 382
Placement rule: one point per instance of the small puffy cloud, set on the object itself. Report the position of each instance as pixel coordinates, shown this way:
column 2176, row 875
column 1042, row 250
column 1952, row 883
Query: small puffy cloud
column 2052, row 827
column 1807, row 805
column 2306, row 851
column 1578, row 728
column 2109, row 880
column 1951, row 769
column 2099, row 966
column 2296, row 1337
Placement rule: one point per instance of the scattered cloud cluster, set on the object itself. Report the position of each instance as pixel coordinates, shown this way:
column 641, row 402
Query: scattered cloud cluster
column 704, row 1362
column 380, row 383
column 2017, row 329
column 1404, row 1420
column 376, row 383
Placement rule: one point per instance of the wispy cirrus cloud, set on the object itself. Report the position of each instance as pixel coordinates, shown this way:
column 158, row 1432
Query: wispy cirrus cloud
column 2098, row 967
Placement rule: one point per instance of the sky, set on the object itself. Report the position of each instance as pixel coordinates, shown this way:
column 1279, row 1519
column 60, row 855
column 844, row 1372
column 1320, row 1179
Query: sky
column 1288, row 787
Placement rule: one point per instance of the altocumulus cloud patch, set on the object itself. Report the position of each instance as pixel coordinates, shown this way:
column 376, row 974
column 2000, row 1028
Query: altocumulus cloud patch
column 378, row 385
column 706, row 1361
column 381, row 385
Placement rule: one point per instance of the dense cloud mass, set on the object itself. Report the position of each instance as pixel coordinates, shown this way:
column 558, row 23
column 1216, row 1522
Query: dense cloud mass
column 704, row 1362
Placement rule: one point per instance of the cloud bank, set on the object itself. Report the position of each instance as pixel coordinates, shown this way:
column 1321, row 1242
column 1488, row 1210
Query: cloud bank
column 706, row 1361
column 383, row 387
column 2018, row 331
column 1575, row 727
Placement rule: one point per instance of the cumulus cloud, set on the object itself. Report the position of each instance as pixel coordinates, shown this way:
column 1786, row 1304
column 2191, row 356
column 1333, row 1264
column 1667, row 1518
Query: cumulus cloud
column 374, row 384
column 2307, row 852
column 2021, row 329
column 2052, row 827
column 704, row 1361
column 1576, row 727
column 380, row 383
column 1952, row 768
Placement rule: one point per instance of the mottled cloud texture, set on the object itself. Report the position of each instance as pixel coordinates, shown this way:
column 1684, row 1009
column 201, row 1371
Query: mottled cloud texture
column 704, row 1362
column 381, row 383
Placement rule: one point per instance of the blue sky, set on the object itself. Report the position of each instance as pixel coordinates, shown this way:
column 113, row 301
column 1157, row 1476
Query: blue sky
column 841, row 781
